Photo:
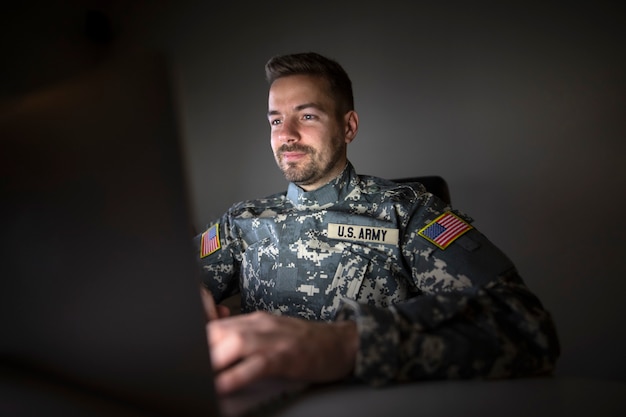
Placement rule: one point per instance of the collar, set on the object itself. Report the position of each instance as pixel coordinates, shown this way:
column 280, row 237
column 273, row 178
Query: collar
column 334, row 191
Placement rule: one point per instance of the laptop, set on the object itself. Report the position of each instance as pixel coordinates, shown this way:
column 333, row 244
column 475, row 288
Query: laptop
column 100, row 307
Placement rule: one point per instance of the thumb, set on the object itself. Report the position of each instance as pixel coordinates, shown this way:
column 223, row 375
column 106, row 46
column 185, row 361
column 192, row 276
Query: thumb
column 209, row 304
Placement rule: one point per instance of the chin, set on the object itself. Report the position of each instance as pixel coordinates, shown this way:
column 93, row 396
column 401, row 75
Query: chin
column 296, row 179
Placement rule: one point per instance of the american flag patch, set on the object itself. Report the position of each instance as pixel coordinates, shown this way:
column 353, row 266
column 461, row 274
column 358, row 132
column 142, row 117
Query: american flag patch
column 444, row 230
column 210, row 241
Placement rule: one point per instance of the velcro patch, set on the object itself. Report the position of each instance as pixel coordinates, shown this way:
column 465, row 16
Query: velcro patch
column 445, row 229
column 363, row 233
column 210, row 241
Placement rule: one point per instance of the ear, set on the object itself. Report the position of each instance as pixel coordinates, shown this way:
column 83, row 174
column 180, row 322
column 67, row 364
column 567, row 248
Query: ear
column 351, row 123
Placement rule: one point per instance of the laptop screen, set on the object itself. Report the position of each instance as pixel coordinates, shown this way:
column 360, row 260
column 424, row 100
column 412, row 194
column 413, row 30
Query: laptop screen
column 100, row 286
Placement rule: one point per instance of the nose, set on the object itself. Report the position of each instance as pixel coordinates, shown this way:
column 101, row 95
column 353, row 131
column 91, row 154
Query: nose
column 288, row 131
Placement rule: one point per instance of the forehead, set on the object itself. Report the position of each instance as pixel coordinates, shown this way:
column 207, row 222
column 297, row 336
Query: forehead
column 295, row 90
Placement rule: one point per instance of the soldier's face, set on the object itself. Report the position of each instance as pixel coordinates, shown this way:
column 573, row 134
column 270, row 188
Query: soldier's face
column 308, row 140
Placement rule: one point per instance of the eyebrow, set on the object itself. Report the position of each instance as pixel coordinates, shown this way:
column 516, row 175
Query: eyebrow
column 299, row 108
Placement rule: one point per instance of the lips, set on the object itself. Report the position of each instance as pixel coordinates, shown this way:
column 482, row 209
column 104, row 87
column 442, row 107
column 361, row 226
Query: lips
column 292, row 154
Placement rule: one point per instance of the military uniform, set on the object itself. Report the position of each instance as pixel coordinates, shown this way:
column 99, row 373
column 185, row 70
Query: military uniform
column 431, row 296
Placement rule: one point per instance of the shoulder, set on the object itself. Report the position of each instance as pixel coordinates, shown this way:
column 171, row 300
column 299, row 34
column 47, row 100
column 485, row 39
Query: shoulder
column 257, row 206
column 373, row 185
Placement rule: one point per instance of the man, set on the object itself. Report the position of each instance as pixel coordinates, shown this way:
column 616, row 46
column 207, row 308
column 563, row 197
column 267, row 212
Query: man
column 355, row 276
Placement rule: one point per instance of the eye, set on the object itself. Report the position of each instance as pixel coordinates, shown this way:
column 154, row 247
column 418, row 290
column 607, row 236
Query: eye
column 309, row 117
column 275, row 122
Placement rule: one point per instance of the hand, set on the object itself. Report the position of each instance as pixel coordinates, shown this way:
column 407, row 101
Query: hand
column 245, row 348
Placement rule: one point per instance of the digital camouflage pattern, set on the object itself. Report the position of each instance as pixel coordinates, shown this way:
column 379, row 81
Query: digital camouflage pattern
column 351, row 250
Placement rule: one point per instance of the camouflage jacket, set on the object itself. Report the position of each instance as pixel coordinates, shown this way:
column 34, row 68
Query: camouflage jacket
column 431, row 296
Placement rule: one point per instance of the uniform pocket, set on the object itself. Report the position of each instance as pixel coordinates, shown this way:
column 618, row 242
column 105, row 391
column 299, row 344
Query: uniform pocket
column 349, row 275
column 258, row 274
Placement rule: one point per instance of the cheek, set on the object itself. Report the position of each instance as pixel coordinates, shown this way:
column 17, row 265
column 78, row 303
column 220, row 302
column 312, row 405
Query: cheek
column 274, row 142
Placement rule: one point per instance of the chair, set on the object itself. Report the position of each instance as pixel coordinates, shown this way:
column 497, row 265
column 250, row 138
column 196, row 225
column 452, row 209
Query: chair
column 433, row 183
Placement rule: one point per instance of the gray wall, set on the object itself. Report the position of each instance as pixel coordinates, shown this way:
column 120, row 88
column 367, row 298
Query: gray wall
column 519, row 107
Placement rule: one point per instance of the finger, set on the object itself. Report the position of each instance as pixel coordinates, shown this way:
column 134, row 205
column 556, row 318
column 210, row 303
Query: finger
column 222, row 311
column 227, row 343
column 242, row 374
column 208, row 303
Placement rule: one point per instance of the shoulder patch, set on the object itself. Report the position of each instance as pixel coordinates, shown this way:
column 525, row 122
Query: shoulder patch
column 445, row 229
column 210, row 241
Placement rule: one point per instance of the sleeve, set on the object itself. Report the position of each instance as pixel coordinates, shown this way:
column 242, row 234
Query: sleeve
column 474, row 316
column 217, row 252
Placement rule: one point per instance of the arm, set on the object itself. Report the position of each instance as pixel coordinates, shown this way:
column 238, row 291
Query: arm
column 245, row 348
column 475, row 318
column 217, row 251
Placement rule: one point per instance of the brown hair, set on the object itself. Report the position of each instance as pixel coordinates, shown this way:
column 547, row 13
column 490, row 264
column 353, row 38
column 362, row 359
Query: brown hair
column 311, row 63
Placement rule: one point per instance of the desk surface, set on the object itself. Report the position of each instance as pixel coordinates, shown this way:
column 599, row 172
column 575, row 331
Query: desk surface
column 531, row 397
column 536, row 397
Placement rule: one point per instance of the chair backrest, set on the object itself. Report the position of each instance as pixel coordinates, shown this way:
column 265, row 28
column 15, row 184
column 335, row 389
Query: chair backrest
column 434, row 184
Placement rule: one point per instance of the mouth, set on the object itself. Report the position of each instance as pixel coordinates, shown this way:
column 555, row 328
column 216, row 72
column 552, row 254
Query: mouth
column 292, row 156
